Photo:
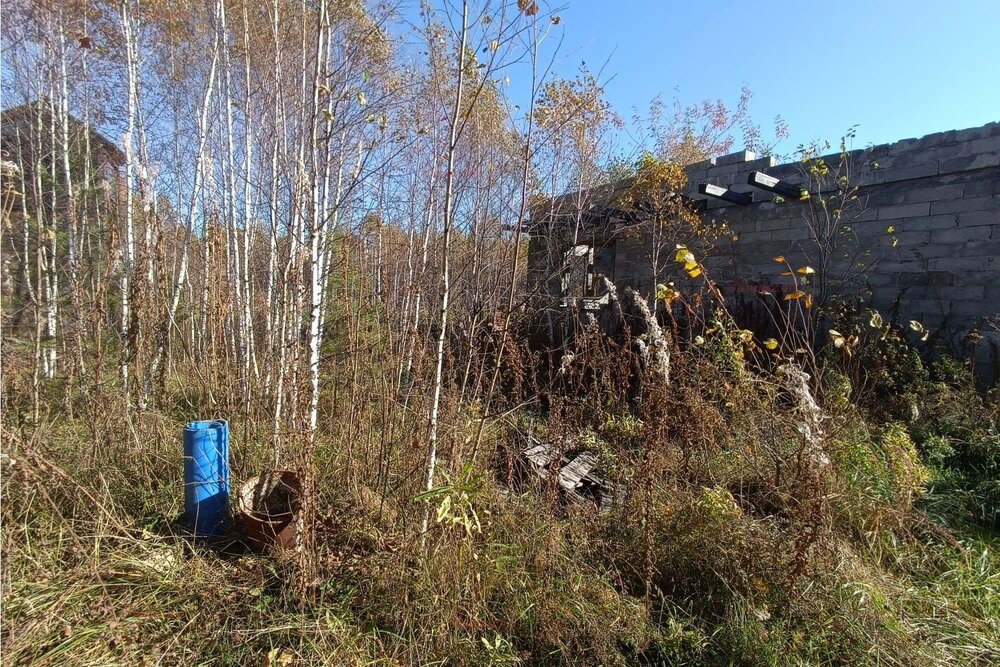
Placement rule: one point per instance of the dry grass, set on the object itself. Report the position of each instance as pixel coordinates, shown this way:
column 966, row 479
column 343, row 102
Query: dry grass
column 727, row 545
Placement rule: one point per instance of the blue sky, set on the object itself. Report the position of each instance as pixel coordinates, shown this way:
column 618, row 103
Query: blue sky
column 897, row 69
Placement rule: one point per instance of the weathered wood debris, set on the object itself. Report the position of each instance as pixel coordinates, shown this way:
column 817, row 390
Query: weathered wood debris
column 577, row 474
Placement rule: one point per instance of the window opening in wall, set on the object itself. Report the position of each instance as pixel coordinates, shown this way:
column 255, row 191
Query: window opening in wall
column 578, row 278
column 603, row 266
column 584, row 267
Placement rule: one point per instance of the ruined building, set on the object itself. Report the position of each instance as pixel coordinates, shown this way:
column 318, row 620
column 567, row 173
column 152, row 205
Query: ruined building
column 912, row 227
column 35, row 201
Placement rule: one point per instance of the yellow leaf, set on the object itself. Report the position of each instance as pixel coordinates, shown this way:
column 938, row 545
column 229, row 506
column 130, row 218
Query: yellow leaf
column 667, row 293
column 795, row 295
column 695, row 272
column 780, row 259
column 770, row 343
column 806, row 270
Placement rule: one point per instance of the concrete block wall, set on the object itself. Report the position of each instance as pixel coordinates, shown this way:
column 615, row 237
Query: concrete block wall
column 923, row 236
column 940, row 263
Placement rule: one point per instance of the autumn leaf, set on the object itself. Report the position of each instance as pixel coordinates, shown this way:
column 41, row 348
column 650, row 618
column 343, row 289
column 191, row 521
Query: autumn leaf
column 806, row 270
column 684, row 256
column 798, row 294
column 919, row 328
column 667, row 293
column 846, row 344
column 780, row 259
column 770, row 343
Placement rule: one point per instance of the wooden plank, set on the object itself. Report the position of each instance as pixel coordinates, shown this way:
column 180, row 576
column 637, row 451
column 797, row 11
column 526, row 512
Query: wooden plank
column 575, row 470
column 540, row 455
column 607, row 501
column 573, row 474
column 759, row 179
column 726, row 194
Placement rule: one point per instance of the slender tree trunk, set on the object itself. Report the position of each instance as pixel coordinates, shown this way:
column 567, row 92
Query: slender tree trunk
column 193, row 206
column 449, row 212
column 128, row 248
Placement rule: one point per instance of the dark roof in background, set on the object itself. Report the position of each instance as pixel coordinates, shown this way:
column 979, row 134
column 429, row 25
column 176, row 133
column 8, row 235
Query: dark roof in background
column 15, row 116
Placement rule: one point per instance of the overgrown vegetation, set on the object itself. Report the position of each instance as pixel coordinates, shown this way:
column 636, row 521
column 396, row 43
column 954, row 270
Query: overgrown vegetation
column 732, row 542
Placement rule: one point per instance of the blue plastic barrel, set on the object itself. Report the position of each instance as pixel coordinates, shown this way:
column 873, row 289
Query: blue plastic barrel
column 206, row 476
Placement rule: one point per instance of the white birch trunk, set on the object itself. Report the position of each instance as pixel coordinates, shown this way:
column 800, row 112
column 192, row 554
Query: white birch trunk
column 445, row 265
column 128, row 249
